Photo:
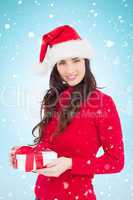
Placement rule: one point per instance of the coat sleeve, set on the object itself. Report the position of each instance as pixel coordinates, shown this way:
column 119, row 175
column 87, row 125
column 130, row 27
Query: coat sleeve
column 111, row 139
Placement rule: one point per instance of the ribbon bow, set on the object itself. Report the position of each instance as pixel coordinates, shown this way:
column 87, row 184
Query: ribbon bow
column 31, row 154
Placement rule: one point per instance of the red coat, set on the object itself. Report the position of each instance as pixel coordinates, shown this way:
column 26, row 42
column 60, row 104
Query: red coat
column 96, row 125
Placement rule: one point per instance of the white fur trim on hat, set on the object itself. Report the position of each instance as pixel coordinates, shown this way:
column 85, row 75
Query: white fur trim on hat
column 71, row 48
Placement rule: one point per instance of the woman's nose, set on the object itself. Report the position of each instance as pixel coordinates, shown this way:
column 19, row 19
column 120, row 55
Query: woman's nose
column 70, row 68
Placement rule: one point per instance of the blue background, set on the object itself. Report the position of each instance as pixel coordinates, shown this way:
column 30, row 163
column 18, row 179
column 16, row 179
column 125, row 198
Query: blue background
column 109, row 28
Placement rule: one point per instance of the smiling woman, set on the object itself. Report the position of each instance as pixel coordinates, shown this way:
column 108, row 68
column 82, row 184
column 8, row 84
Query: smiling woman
column 86, row 120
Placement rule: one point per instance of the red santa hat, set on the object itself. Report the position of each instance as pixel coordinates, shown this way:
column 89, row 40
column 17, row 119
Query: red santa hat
column 60, row 43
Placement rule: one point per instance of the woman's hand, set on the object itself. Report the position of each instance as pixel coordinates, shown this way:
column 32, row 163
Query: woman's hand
column 12, row 158
column 56, row 167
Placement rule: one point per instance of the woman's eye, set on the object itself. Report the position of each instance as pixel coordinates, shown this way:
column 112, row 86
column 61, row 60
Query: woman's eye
column 61, row 63
column 76, row 60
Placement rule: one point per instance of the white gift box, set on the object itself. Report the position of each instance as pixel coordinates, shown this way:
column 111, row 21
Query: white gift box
column 48, row 156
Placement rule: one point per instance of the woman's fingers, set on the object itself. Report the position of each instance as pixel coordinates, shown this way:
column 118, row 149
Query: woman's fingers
column 12, row 157
column 13, row 149
column 13, row 163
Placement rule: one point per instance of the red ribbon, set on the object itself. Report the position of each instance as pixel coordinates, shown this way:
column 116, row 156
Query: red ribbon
column 31, row 153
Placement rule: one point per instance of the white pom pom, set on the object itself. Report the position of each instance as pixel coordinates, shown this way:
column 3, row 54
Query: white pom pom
column 40, row 69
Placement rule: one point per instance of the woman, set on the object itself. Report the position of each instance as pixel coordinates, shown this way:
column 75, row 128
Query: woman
column 77, row 120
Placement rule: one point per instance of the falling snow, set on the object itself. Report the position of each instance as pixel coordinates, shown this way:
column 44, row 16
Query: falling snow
column 7, row 26
column 107, row 166
column 15, row 76
column 66, row 185
column 109, row 43
column 89, row 162
column 20, row 2
column 31, row 34
column 51, row 15
column 110, row 128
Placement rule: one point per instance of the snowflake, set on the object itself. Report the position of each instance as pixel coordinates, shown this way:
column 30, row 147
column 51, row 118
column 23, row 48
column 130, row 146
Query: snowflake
column 51, row 16
column 101, row 192
column 37, row 3
column 51, row 4
column 126, row 180
column 23, row 176
column 106, row 166
column 14, row 75
column 20, row 2
column 109, row 187
column 66, row 185
column 110, row 128
column 99, row 111
column 119, row 17
column 93, row 25
column 12, row 58
column 111, row 146
column 131, row 187
column 109, row 194
column 3, row 119
column 1, row 166
column 86, row 193
column 109, row 43
column 88, row 162
column 91, row 11
column 125, row 5
column 7, row 26
column 31, row 34
column 90, row 191
column 77, row 197
column 25, row 192
column 10, row 194
column 95, row 14
column 93, row 3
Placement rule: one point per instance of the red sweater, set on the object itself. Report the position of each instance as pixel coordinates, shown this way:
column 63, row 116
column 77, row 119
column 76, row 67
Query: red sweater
column 96, row 125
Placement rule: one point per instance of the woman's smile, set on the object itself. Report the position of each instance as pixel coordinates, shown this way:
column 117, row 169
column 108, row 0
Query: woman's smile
column 71, row 77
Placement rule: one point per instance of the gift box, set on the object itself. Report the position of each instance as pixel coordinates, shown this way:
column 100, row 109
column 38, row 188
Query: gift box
column 29, row 158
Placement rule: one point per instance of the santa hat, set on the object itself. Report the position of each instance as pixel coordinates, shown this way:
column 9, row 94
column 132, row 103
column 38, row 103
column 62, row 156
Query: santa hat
column 60, row 43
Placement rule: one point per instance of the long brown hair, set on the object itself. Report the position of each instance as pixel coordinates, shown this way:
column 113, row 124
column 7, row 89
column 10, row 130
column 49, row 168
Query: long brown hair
column 48, row 105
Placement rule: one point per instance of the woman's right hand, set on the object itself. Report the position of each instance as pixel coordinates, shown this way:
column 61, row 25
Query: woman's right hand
column 12, row 158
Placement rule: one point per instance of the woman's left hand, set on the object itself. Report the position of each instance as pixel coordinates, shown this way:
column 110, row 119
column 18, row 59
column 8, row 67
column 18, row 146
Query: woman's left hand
column 56, row 167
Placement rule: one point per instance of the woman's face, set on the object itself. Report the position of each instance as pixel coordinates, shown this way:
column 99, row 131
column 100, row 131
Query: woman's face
column 72, row 70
